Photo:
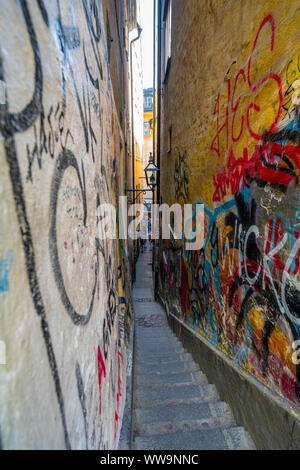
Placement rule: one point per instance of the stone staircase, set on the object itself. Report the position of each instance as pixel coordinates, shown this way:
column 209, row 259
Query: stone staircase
column 174, row 406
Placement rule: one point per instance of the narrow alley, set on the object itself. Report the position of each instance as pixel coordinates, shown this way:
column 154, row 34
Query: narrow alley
column 149, row 226
column 174, row 406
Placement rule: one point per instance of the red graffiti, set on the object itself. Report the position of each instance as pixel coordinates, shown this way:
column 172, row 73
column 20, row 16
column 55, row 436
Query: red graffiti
column 231, row 178
column 271, row 76
column 285, row 160
column 119, row 395
column 234, row 107
column 101, row 373
column 184, row 290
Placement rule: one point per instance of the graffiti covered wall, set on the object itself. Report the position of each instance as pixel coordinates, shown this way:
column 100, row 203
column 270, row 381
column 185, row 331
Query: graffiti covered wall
column 64, row 313
column 232, row 102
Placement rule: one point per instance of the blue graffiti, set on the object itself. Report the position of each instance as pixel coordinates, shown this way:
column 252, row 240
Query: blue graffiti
column 5, row 267
column 207, row 268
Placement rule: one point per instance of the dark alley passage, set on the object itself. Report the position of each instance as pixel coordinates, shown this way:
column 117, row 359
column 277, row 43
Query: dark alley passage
column 174, row 406
column 149, row 225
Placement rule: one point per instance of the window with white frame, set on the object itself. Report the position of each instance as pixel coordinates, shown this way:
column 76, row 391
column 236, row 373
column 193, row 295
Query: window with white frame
column 148, row 101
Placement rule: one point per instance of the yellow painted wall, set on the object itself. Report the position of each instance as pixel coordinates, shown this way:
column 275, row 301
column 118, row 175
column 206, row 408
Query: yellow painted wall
column 148, row 145
column 231, row 99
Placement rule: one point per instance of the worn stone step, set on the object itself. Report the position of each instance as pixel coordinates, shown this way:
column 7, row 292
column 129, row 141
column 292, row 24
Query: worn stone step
column 182, row 412
column 152, row 347
column 159, row 347
column 153, row 333
column 170, row 368
column 170, row 380
column 174, row 406
column 165, row 342
column 217, row 415
column 168, row 393
column 159, row 336
column 195, row 394
column 159, row 343
column 151, row 350
column 142, row 293
column 147, row 332
column 159, row 329
column 154, row 357
column 234, row 438
column 184, row 357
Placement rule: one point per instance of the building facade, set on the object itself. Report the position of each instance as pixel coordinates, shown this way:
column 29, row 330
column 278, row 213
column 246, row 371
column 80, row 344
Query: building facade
column 148, row 137
column 230, row 141
column 65, row 294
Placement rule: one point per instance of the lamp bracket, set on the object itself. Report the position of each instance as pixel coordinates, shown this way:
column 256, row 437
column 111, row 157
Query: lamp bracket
column 138, row 192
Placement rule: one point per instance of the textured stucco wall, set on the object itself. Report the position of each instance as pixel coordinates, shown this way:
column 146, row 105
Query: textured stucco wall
column 148, row 140
column 64, row 312
column 231, row 101
column 137, row 88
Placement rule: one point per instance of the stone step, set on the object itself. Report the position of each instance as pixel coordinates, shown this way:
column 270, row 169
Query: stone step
column 152, row 347
column 153, row 356
column 156, row 341
column 168, row 393
column 174, row 406
column 158, row 329
column 234, row 438
column 170, row 368
column 142, row 293
column 163, row 349
column 182, row 412
column 159, row 336
column 170, row 380
column 195, row 394
column 152, row 359
column 184, row 357
column 215, row 415
column 154, row 333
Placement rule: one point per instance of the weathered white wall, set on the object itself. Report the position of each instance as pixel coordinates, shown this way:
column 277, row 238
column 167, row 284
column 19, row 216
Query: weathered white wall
column 63, row 384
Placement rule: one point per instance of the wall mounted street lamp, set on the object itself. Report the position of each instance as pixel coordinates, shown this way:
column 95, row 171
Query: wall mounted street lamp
column 151, row 174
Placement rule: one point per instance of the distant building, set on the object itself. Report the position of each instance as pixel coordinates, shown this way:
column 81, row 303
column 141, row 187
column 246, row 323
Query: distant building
column 148, row 130
column 148, row 100
column 227, row 137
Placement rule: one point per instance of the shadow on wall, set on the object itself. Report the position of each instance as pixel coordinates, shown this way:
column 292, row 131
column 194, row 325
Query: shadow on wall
column 241, row 290
column 61, row 146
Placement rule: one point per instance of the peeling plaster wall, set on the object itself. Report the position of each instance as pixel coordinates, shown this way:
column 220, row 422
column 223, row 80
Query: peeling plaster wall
column 65, row 315
column 231, row 101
